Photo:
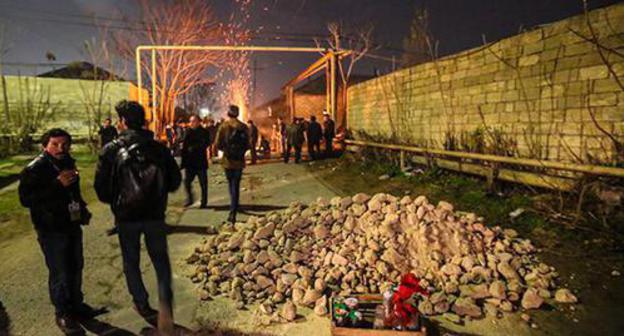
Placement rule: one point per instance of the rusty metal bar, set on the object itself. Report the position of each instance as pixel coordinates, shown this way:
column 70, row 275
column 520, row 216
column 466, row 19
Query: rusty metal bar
column 579, row 168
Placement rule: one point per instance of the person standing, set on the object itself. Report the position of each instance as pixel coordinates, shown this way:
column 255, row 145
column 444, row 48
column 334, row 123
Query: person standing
column 134, row 174
column 329, row 132
column 107, row 133
column 253, row 134
column 195, row 160
column 212, row 131
column 295, row 139
column 276, row 139
column 50, row 187
column 281, row 125
column 314, row 133
column 234, row 140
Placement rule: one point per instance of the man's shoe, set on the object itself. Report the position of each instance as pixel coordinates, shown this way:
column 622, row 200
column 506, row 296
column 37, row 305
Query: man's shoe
column 67, row 324
column 112, row 231
column 187, row 204
column 203, row 206
column 145, row 311
column 232, row 217
column 85, row 312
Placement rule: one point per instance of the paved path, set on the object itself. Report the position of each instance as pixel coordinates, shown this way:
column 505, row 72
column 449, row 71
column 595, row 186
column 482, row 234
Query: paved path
column 23, row 276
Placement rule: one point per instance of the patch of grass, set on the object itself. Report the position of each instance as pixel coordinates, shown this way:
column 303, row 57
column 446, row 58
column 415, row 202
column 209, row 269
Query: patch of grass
column 15, row 219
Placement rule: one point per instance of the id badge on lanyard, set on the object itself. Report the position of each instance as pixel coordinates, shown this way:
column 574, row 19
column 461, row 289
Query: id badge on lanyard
column 74, row 211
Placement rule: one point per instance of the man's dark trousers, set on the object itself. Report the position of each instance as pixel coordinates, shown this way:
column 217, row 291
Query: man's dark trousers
column 189, row 176
column 64, row 259
column 329, row 146
column 234, row 177
column 297, row 149
column 155, row 233
column 314, row 148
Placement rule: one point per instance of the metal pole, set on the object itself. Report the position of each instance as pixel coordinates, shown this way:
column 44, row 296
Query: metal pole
column 154, row 121
column 138, row 73
column 333, row 85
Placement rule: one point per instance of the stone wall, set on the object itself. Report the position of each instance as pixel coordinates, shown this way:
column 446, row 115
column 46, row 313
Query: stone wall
column 535, row 92
column 68, row 96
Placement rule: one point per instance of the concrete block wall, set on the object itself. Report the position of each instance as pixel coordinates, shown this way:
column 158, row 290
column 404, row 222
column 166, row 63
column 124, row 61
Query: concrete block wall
column 539, row 89
column 68, row 96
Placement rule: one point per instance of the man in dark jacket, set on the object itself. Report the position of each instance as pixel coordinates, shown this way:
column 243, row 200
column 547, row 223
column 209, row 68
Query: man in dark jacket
column 253, row 134
column 107, row 133
column 50, row 188
column 314, row 133
column 282, row 130
column 134, row 174
column 329, row 132
column 295, row 138
column 195, row 160
column 231, row 138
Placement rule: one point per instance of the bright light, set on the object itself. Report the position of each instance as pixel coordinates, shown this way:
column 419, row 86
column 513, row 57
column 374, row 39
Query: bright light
column 204, row 112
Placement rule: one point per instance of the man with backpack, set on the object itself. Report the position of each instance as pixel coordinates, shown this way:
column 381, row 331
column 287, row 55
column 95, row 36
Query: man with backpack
column 233, row 139
column 134, row 174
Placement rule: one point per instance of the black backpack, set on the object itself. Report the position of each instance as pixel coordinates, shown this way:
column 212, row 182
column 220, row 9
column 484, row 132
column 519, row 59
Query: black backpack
column 139, row 178
column 237, row 144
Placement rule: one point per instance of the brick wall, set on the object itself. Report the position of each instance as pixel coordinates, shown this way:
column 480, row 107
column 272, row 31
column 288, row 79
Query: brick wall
column 538, row 90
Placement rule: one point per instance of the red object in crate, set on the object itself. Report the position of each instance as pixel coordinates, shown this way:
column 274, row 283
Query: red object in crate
column 402, row 307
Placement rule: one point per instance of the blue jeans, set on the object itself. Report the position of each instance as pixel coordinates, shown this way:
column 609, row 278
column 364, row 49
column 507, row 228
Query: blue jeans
column 64, row 259
column 234, row 177
column 155, row 232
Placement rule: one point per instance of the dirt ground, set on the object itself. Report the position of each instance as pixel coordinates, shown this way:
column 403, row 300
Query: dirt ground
column 23, row 289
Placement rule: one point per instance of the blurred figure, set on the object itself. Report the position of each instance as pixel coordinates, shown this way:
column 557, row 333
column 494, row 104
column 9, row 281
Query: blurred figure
column 107, row 133
column 195, row 160
column 276, row 139
column 295, row 139
column 253, row 137
column 328, row 134
column 314, row 133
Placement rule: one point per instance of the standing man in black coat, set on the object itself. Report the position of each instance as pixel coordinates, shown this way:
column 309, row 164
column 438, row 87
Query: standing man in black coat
column 195, row 160
column 329, row 131
column 314, row 133
column 50, row 187
column 107, row 133
column 134, row 175
column 253, row 134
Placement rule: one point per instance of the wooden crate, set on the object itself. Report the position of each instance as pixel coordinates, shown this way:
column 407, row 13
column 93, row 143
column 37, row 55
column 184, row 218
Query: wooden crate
column 368, row 298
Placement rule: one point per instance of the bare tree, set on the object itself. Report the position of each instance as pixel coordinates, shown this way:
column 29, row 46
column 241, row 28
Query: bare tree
column 162, row 22
column 5, row 99
column 416, row 43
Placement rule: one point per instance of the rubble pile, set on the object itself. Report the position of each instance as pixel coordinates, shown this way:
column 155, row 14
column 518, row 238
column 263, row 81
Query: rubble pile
column 362, row 244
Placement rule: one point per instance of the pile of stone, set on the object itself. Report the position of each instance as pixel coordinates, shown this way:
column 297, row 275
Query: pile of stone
column 362, row 244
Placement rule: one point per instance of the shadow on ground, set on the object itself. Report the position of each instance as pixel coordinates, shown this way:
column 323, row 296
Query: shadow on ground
column 5, row 322
column 245, row 208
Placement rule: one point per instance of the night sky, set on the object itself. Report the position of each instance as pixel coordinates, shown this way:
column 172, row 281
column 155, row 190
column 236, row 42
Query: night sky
column 33, row 27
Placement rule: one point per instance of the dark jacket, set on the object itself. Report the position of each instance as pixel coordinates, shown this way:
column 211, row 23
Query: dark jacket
column 314, row 132
column 107, row 188
column 294, row 134
column 253, row 135
column 41, row 192
column 107, row 134
column 194, row 146
column 223, row 134
column 329, row 130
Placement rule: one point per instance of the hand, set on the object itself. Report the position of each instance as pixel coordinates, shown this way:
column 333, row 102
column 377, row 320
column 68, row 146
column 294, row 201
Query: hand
column 68, row 177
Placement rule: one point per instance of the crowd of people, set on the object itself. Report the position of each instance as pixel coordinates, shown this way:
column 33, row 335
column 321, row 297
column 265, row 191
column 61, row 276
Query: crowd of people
column 135, row 173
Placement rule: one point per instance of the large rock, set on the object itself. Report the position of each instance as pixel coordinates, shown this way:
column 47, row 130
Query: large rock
column 289, row 311
column 339, row 260
column 531, row 299
column 264, row 232
column 564, row 295
column 360, row 198
column 320, row 307
column 497, row 289
column 310, row 297
column 466, row 307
